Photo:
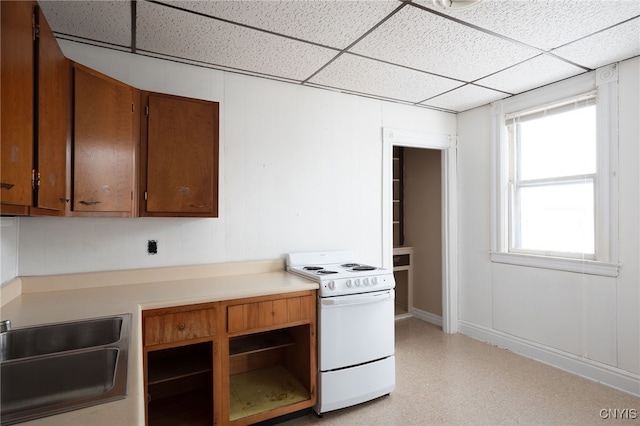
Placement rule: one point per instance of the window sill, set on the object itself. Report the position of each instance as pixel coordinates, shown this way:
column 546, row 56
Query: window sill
column 589, row 267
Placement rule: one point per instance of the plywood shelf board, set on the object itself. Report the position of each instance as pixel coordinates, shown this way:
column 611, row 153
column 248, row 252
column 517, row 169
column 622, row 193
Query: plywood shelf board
column 258, row 343
column 171, row 369
column 262, row 390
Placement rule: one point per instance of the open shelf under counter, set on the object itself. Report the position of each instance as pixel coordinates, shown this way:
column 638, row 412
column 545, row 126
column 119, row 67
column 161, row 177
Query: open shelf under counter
column 164, row 370
column 259, row 342
column 257, row 391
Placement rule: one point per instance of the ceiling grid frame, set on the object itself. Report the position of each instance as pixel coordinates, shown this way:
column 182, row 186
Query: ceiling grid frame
column 352, row 42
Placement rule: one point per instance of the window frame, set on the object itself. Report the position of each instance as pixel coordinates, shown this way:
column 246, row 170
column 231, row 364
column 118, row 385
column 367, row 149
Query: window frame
column 516, row 182
column 605, row 262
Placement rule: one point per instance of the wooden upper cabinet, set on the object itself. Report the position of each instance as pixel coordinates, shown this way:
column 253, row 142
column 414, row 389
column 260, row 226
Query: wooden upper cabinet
column 53, row 124
column 104, row 145
column 179, row 151
column 36, row 95
column 17, row 107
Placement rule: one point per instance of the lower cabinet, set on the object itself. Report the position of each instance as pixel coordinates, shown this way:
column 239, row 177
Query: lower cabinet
column 180, row 385
column 180, row 358
column 237, row 362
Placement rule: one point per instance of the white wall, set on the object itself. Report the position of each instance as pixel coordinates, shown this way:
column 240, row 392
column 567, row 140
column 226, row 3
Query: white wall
column 423, row 225
column 300, row 169
column 590, row 319
column 8, row 248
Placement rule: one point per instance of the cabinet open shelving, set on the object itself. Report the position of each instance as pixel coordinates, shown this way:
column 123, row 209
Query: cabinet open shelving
column 179, row 382
column 233, row 362
column 262, row 376
column 398, row 196
column 257, row 391
column 255, row 343
column 165, row 370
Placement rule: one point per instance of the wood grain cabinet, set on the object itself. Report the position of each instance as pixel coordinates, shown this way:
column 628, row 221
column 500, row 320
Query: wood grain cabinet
column 104, row 145
column 179, row 156
column 237, row 362
column 36, row 96
column 268, row 357
column 180, row 363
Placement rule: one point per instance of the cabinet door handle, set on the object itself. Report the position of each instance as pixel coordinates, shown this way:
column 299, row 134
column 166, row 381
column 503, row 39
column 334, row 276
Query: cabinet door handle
column 89, row 203
column 64, row 200
column 198, row 206
column 5, row 185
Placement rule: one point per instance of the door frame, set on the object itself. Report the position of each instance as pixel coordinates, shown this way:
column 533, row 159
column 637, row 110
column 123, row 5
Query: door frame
column 448, row 145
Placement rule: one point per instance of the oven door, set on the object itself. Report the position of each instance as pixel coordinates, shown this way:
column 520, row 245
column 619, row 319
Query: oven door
column 355, row 329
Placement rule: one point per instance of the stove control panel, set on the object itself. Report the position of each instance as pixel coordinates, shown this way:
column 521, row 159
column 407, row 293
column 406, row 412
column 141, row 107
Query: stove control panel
column 339, row 286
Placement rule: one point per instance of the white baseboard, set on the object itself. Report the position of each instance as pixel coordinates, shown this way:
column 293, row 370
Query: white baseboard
column 402, row 316
column 427, row 316
column 598, row 372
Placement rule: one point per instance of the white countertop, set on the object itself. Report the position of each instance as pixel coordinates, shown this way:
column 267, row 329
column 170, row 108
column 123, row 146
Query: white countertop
column 76, row 296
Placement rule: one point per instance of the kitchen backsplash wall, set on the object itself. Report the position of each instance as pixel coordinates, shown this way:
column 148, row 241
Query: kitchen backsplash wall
column 8, row 248
column 300, row 169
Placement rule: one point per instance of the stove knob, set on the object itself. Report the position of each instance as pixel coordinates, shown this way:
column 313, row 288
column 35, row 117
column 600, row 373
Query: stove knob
column 374, row 280
column 366, row 281
column 332, row 285
column 357, row 282
column 348, row 283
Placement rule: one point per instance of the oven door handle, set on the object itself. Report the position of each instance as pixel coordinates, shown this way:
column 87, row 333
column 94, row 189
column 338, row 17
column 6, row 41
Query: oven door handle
column 357, row 299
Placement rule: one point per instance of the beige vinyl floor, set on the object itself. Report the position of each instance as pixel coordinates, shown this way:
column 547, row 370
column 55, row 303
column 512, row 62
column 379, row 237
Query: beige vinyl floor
column 444, row 379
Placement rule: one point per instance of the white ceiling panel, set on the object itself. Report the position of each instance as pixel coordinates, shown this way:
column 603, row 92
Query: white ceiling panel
column 357, row 74
column 545, row 24
column 402, row 50
column 330, row 23
column 104, row 21
column 606, row 47
column 422, row 40
column 465, row 98
column 536, row 72
column 187, row 35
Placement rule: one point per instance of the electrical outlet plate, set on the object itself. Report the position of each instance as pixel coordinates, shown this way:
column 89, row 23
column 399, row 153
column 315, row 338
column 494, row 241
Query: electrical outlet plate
column 152, row 247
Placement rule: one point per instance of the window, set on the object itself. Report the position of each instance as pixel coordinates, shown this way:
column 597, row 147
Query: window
column 555, row 202
column 552, row 154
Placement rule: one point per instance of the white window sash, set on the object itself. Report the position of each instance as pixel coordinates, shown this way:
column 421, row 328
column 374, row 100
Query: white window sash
column 514, row 240
column 604, row 80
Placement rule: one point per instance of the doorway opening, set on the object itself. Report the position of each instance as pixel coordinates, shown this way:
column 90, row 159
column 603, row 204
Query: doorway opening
column 430, row 191
column 417, row 232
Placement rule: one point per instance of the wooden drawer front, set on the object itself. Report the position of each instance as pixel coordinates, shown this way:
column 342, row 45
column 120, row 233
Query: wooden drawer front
column 272, row 312
column 179, row 326
column 300, row 308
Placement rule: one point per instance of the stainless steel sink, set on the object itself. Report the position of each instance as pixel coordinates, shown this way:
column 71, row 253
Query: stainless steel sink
column 54, row 338
column 53, row 368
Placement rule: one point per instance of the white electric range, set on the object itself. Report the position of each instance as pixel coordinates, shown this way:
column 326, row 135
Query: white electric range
column 356, row 345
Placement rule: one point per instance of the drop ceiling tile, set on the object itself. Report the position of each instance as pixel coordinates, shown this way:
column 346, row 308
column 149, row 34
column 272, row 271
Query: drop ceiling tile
column 330, row 23
column 545, row 24
column 536, row 72
column 619, row 43
column 465, row 98
column 105, row 21
column 362, row 75
column 422, row 40
column 186, row 35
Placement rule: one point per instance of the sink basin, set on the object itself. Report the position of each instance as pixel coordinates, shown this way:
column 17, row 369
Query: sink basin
column 54, row 338
column 49, row 369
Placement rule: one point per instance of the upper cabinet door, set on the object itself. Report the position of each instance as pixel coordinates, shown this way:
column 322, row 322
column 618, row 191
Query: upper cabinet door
column 17, row 29
column 54, row 103
column 103, row 144
column 180, row 145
